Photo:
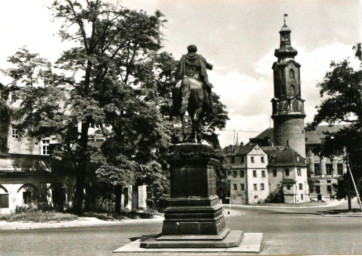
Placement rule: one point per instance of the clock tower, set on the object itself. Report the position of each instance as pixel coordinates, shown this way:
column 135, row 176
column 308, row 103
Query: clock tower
column 288, row 106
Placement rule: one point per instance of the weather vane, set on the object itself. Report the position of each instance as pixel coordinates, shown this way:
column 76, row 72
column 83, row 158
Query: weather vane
column 285, row 15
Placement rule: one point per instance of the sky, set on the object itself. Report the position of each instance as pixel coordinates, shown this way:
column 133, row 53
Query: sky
column 237, row 36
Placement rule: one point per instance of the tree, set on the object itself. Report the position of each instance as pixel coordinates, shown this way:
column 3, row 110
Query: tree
column 4, row 120
column 97, row 81
column 113, row 78
column 342, row 86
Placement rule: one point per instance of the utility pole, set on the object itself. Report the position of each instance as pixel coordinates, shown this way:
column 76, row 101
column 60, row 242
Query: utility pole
column 349, row 182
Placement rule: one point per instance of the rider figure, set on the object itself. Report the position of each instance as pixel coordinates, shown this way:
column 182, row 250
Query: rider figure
column 192, row 64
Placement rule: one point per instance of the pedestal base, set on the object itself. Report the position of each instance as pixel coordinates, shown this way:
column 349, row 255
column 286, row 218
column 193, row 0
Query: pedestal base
column 251, row 243
column 231, row 239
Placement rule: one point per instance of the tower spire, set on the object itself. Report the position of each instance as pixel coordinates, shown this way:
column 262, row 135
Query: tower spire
column 285, row 18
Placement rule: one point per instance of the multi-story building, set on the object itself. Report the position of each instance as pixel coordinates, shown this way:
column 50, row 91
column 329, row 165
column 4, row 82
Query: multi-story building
column 266, row 174
column 323, row 172
column 248, row 175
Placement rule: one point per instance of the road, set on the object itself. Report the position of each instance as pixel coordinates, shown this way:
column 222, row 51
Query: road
column 286, row 231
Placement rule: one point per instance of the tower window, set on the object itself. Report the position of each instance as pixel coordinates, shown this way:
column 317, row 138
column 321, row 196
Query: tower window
column 291, row 74
column 274, row 172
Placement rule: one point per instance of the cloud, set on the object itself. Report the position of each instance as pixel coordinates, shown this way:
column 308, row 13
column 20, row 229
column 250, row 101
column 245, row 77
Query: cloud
column 248, row 97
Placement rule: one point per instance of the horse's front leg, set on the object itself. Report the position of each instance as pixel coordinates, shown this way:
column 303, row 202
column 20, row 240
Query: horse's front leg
column 182, row 117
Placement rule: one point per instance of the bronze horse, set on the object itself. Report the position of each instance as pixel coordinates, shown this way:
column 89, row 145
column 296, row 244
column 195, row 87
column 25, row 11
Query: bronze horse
column 192, row 98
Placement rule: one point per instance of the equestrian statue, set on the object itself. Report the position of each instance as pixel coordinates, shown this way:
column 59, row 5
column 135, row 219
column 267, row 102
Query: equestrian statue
column 192, row 92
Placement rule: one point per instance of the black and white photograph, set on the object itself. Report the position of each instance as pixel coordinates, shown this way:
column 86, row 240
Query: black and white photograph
column 180, row 127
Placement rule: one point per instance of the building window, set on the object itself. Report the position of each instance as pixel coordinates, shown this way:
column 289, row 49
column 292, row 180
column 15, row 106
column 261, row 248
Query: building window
column 318, row 189
column 262, row 159
column 235, row 174
column 235, row 187
column 288, row 187
column 14, row 97
column 263, row 174
column 45, row 147
column 27, row 197
column 4, row 200
column 255, row 187
column 242, row 159
column 15, row 133
column 262, row 186
column 329, row 189
column 340, row 168
column 317, row 169
column 299, row 172
column 286, row 172
column 252, row 159
column 233, row 160
column 242, row 174
column 329, row 169
column 301, row 196
column 300, row 186
column 274, row 172
column 254, row 173
column 242, row 187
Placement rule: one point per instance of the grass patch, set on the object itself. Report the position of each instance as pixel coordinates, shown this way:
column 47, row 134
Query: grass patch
column 39, row 217
column 148, row 214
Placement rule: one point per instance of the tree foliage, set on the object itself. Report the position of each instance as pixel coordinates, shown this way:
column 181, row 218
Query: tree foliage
column 113, row 78
column 342, row 103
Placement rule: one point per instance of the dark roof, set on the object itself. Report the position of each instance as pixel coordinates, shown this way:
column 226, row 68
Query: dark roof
column 311, row 137
column 239, row 149
column 283, row 157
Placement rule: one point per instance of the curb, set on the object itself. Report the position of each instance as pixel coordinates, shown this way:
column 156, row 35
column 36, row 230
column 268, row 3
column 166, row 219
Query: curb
column 33, row 225
column 283, row 207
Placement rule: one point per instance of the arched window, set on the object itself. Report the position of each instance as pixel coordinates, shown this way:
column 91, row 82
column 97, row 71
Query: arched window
column 291, row 74
column 293, row 90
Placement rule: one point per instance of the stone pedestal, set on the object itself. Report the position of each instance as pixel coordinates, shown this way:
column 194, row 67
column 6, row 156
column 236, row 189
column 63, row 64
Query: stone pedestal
column 194, row 217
